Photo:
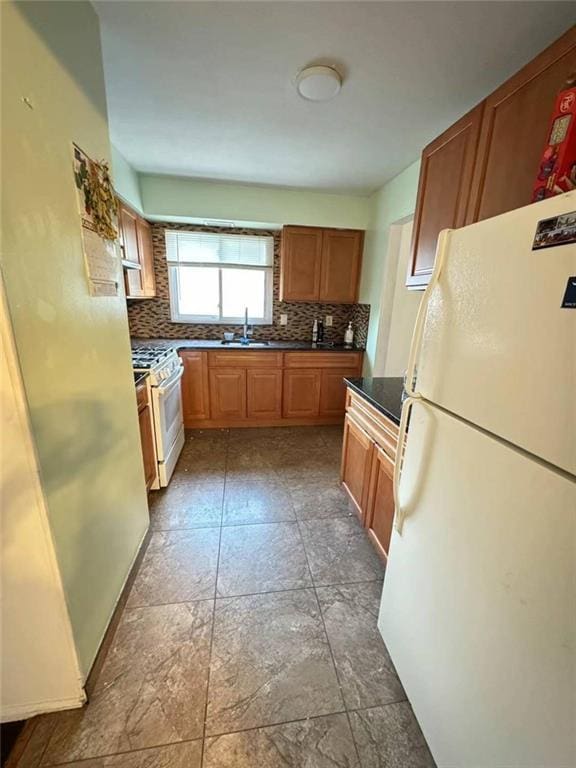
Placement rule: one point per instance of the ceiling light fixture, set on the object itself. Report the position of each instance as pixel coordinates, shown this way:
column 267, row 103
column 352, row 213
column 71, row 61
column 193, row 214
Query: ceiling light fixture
column 318, row 83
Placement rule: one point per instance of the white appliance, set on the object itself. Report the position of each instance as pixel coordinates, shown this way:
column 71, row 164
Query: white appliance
column 479, row 601
column 166, row 370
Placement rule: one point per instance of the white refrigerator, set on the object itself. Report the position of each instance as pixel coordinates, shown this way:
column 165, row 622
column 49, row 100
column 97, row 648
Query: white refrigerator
column 479, row 601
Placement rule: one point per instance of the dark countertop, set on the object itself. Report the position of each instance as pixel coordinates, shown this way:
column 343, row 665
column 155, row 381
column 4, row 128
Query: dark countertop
column 140, row 377
column 217, row 344
column 384, row 393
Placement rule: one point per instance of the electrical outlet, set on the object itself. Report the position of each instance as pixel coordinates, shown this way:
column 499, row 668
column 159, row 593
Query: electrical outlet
column 283, row 319
column 328, row 322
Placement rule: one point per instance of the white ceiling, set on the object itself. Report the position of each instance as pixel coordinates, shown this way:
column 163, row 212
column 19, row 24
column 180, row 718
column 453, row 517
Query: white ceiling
column 206, row 89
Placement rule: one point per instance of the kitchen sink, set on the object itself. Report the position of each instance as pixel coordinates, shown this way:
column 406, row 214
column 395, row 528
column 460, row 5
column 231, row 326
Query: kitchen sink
column 239, row 344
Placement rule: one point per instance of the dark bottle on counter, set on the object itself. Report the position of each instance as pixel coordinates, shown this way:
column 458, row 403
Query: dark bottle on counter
column 320, row 331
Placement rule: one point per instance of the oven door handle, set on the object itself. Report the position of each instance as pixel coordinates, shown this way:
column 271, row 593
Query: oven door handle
column 169, row 383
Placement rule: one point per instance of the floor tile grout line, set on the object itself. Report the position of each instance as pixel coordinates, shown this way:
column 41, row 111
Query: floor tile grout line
column 277, row 725
column 41, row 762
column 338, row 679
column 255, row 594
column 211, row 644
column 225, row 733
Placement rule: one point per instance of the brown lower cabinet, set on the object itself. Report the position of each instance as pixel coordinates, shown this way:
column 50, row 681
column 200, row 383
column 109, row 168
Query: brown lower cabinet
column 302, row 392
column 146, row 434
column 195, row 387
column 265, row 388
column 264, row 393
column 228, row 393
column 357, row 449
column 367, row 469
column 380, row 506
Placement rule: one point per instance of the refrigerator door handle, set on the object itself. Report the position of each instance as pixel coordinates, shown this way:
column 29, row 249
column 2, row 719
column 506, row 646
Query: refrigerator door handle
column 411, row 371
column 406, row 408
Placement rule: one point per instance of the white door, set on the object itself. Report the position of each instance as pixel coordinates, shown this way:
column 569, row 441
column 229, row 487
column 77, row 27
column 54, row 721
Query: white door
column 497, row 348
column 479, row 601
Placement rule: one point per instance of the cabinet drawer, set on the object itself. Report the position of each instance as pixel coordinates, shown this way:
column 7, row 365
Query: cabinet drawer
column 244, row 359
column 381, row 429
column 345, row 360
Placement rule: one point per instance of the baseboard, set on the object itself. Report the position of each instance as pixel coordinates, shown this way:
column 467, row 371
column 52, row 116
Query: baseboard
column 112, row 625
column 316, row 421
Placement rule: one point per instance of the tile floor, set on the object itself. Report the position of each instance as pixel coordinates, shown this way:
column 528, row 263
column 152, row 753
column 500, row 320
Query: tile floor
column 249, row 637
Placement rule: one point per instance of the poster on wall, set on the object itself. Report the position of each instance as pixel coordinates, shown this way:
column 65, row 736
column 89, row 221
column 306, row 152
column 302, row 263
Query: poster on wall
column 98, row 216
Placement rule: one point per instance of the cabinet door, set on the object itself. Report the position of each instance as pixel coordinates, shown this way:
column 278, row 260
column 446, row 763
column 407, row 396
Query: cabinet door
column 341, row 262
column 333, row 391
column 129, row 246
column 147, row 442
column 300, row 264
column 145, row 253
column 195, row 389
column 380, row 507
column 514, row 129
column 264, row 393
column 443, row 192
column 301, row 393
column 228, row 393
column 357, row 450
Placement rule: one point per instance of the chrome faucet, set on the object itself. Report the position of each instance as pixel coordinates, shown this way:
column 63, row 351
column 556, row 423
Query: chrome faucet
column 245, row 339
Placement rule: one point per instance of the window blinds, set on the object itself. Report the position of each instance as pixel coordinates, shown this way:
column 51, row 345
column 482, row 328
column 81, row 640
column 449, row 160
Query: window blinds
column 214, row 248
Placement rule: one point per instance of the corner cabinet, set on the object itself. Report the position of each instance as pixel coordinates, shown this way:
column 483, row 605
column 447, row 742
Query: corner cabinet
column 135, row 238
column 367, row 470
column 320, row 264
column 487, row 162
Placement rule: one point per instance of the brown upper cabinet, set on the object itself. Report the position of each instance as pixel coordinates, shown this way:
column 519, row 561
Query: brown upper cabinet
column 486, row 163
column 320, row 264
column 513, row 132
column 300, row 264
column 443, row 191
column 135, row 236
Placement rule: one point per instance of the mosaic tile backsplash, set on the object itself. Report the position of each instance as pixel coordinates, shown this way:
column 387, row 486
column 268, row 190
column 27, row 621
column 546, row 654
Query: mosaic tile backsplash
column 150, row 318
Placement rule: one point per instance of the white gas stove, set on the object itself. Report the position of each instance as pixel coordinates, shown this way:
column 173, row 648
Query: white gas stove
column 165, row 370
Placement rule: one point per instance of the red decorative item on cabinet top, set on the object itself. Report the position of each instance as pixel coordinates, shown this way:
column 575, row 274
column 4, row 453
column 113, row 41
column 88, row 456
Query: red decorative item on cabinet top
column 557, row 171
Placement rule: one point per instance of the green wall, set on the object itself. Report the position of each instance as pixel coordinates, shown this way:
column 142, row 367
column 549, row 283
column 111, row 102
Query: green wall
column 74, row 350
column 169, row 196
column 126, row 181
column 394, row 201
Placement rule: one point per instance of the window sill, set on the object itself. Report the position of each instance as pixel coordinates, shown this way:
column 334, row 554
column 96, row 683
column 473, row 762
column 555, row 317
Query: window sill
column 203, row 321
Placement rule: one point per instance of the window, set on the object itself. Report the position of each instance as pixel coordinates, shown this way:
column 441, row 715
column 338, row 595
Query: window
column 214, row 277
